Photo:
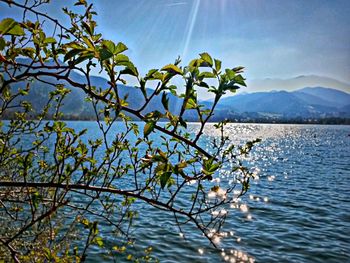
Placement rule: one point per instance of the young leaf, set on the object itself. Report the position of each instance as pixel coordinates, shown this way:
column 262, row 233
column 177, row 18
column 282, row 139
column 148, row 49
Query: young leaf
column 8, row 26
column 191, row 104
column 121, row 58
column 239, row 80
column 165, row 101
column 130, row 69
column 71, row 53
column 230, row 74
column 238, row 69
column 151, row 73
column 143, row 87
column 231, row 87
column 120, row 48
column 2, row 43
column 217, row 65
column 149, row 126
column 49, row 40
column 109, row 45
column 99, row 241
column 203, row 84
column 172, row 69
column 105, row 54
column 206, row 75
column 87, row 28
column 207, row 58
column 164, row 179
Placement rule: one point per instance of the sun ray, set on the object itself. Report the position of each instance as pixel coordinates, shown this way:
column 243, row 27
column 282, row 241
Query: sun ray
column 190, row 26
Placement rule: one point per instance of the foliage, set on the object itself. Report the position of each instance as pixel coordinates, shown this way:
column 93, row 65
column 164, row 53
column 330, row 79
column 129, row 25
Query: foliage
column 58, row 184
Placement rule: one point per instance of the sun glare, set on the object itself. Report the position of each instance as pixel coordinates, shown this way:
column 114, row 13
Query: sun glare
column 190, row 25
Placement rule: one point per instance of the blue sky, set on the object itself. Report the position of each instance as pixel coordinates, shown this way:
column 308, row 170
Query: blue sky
column 271, row 38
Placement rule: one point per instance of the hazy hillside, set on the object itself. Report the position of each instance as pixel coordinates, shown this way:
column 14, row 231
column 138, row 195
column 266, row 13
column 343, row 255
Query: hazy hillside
column 75, row 105
column 304, row 103
column 333, row 97
column 315, row 102
column 292, row 84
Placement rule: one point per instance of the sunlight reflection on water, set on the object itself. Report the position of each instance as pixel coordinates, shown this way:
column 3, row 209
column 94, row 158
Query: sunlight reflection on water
column 290, row 161
column 297, row 209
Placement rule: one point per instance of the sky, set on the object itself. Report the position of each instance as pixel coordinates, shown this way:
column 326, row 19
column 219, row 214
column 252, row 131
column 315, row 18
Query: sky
column 271, row 38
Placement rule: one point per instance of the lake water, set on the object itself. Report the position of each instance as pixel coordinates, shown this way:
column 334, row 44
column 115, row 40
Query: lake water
column 299, row 209
column 305, row 175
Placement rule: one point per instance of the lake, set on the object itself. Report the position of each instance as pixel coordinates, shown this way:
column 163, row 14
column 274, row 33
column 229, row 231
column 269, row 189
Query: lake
column 298, row 211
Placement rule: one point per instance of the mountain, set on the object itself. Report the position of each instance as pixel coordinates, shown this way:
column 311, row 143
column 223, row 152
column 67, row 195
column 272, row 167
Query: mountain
column 303, row 104
column 292, row 84
column 316, row 102
column 76, row 107
column 332, row 97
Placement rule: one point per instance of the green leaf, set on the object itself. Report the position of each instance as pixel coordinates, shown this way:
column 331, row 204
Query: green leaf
column 202, row 63
column 203, row 84
column 87, row 28
column 231, row 87
column 191, row 104
column 151, row 73
column 49, row 40
column 172, row 69
column 183, row 164
column 206, row 75
column 109, row 45
column 16, row 31
column 89, row 43
column 214, row 167
column 193, row 63
column 73, row 45
column 165, row 101
column 217, row 65
column 105, row 54
column 209, row 167
column 2, row 43
column 153, row 115
column 158, row 75
column 164, row 179
column 121, row 58
column 143, row 87
column 99, row 241
column 207, row 58
column 28, row 51
column 71, row 53
column 149, row 127
column 240, row 80
column 8, row 26
column 130, row 69
column 238, row 69
column 230, row 74
column 84, row 56
column 120, row 48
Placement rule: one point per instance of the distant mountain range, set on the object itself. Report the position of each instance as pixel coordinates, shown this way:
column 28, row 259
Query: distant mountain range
column 302, row 105
column 75, row 107
column 305, row 103
column 292, row 84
